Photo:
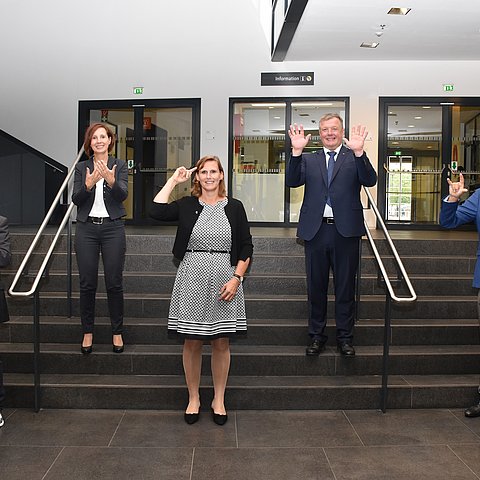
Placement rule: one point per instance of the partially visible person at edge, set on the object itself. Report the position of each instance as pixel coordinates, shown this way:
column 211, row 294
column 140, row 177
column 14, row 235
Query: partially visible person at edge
column 214, row 245
column 452, row 215
column 100, row 187
column 331, row 222
column 5, row 258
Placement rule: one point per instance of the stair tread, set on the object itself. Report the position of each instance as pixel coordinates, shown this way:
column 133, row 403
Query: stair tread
column 242, row 381
column 237, row 349
column 161, row 322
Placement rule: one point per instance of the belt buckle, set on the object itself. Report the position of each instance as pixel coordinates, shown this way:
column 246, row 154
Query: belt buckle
column 330, row 221
column 97, row 220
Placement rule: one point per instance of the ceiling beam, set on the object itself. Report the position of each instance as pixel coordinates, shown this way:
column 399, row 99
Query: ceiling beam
column 282, row 38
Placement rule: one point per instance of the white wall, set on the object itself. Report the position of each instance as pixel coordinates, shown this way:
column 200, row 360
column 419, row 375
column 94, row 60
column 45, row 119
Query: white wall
column 56, row 52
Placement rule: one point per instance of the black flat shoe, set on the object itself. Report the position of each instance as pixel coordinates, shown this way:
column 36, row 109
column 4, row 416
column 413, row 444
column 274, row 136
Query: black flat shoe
column 315, row 348
column 191, row 418
column 219, row 419
column 473, row 412
column 86, row 350
column 118, row 349
column 346, row 350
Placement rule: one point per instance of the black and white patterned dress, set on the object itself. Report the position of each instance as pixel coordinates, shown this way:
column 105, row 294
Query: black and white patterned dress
column 196, row 310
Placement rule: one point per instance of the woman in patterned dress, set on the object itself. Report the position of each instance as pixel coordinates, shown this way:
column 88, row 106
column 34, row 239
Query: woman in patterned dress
column 214, row 245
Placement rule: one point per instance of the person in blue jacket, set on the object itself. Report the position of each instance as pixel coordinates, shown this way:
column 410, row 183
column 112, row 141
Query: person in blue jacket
column 452, row 215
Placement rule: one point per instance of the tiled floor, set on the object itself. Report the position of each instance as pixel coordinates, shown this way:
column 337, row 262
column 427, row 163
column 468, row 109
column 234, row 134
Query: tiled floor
column 280, row 445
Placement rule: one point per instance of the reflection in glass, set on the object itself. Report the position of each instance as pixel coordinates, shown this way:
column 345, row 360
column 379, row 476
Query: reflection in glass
column 258, row 170
column 414, row 163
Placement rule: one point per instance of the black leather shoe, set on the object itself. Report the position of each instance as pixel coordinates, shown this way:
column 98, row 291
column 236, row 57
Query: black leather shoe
column 118, row 349
column 86, row 350
column 473, row 412
column 219, row 419
column 315, row 348
column 191, row 418
column 346, row 349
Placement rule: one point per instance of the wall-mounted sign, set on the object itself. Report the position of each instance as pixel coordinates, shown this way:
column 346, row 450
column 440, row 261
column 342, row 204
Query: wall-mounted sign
column 287, row 78
column 448, row 87
column 137, row 90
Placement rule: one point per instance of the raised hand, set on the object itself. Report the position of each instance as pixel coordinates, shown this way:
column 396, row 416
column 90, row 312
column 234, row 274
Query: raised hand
column 182, row 174
column 358, row 134
column 91, row 178
column 105, row 172
column 298, row 139
column 456, row 189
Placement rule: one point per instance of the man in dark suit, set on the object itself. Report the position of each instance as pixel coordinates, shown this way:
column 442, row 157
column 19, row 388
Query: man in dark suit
column 331, row 222
column 5, row 257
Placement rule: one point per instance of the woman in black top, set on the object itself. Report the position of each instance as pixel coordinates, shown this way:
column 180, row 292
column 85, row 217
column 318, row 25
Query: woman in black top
column 100, row 187
column 214, row 245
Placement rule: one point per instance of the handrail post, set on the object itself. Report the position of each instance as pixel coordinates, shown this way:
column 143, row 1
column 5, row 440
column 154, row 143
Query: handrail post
column 36, row 350
column 69, row 267
column 386, row 351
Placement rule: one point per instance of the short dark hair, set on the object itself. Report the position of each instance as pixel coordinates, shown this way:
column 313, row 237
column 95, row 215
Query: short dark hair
column 89, row 135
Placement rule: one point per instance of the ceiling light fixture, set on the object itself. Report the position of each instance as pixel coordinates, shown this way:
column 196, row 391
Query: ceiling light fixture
column 417, row 118
column 369, row 45
column 398, row 11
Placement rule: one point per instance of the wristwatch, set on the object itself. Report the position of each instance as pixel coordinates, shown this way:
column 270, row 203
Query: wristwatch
column 238, row 277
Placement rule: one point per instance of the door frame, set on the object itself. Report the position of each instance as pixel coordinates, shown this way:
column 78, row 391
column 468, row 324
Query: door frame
column 138, row 107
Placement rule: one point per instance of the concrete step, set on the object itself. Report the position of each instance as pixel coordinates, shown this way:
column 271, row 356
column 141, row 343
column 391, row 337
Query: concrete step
column 261, row 331
column 168, row 392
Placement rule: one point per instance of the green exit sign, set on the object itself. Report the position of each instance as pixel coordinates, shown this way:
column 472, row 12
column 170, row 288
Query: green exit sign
column 448, row 87
column 398, row 153
column 137, row 90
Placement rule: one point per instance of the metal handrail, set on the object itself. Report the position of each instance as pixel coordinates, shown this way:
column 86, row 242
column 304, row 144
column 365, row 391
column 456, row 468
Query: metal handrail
column 25, row 260
column 390, row 292
column 34, row 290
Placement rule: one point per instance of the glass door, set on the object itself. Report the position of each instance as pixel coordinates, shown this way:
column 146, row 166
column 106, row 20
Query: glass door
column 121, row 122
column 154, row 138
column 260, row 149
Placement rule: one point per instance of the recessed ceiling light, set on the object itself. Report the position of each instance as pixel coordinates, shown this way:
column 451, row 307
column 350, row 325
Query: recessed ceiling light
column 369, row 45
column 411, row 126
column 398, row 11
column 395, row 143
column 447, row 103
column 417, row 118
column 426, row 106
column 276, row 118
column 429, row 146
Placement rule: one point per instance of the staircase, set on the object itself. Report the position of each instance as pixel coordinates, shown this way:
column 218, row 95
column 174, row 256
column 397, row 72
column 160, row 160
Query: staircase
column 435, row 352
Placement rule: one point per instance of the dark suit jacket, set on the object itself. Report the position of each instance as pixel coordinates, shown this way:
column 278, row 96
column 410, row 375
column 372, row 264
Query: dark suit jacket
column 5, row 253
column 113, row 197
column 186, row 211
column 349, row 174
column 452, row 215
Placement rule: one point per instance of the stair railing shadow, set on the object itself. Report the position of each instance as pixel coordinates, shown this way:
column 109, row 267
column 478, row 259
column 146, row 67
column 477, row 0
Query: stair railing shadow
column 390, row 295
column 42, row 273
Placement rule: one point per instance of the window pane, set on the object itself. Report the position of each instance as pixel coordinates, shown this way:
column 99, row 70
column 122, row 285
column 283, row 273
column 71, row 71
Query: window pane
column 414, row 145
column 258, row 176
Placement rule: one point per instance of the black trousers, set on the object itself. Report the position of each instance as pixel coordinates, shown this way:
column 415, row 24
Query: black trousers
column 109, row 240
column 329, row 250
column 2, row 388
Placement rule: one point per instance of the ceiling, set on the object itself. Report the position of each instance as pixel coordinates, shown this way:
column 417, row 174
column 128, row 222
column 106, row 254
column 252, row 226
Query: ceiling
column 432, row 30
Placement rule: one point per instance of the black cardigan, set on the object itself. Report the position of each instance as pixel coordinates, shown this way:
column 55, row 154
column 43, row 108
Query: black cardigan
column 186, row 211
